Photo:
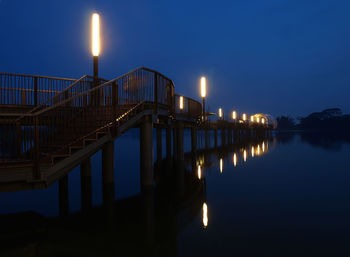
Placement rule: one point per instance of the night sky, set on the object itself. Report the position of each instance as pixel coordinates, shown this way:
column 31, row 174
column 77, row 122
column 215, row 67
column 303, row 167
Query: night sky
column 279, row 56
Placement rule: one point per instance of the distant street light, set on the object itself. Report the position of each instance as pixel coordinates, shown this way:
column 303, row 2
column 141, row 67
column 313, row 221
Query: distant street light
column 181, row 103
column 244, row 117
column 203, row 94
column 234, row 115
column 220, row 113
column 252, row 118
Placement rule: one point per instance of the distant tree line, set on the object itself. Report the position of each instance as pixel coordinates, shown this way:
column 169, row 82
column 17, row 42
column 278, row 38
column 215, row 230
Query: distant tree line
column 327, row 120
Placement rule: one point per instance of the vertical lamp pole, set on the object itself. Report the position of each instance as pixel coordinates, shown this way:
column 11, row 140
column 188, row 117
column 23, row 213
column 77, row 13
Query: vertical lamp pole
column 181, row 103
column 95, row 48
column 203, row 94
column 234, row 116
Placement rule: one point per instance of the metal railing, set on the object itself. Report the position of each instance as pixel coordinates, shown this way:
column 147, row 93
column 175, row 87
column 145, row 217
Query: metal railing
column 29, row 90
column 52, row 129
column 191, row 109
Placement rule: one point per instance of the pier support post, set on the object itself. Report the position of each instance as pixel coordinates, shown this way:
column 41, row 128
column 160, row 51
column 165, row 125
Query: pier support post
column 175, row 144
column 194, row 147
column 108, row 178
column 215, row 138
column 180, row 159
column 229, row 131
column 193, row 140
column 223, row 137
column 63, row 196
column 159, row 146
column 206, row 138
column 168, row 146
column 86, row 185
column 146, row 152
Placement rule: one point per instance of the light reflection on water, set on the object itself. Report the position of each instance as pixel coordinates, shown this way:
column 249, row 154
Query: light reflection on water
column 260, row 205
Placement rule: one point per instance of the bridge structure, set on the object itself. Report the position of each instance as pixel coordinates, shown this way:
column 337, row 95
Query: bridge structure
column 48, row 126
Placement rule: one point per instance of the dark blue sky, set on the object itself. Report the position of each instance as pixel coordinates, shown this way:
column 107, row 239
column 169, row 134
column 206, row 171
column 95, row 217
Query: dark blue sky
column 276, row 56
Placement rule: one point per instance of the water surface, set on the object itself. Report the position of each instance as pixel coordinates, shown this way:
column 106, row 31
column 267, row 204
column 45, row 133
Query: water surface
column 285, row 195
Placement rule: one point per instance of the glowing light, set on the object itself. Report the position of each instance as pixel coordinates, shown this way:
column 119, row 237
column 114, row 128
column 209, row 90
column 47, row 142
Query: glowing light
column 234, row 115
column 257, row 119
column 252, row 118
column 221, row 165
column 258, row 150
column 234, row 160
column 203, row 86
column 244, row 117
column 245, row 155
column 220, row 112
column 263, row 147
column 181, row 102
column 199, row 172
column 253, row 151
column 262, row 120
column 205, row 215
column 95, row 26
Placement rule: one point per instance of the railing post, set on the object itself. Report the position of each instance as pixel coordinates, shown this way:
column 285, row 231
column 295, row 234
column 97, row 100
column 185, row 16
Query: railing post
column 114, row 104
column 156, row 91
column 114, row 97
column 18, row 140
column 36, row 171
column 35, row 91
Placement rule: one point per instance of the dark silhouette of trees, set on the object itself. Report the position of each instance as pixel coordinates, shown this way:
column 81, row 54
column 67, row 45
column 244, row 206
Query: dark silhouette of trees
column 285, row 122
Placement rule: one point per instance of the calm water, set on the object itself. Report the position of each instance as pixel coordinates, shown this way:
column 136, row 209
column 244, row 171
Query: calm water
column 286, row 195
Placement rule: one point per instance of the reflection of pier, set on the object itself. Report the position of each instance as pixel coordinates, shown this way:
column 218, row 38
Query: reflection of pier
column 143, row 225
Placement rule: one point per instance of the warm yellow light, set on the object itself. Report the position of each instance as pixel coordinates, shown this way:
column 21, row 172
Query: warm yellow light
column 199, row 172
column 253, row 151
column 203, row 86
column 234, row 115
column 244, row 117
column 262, row 120
column 181, row 102
column 95, row 32
column 220, row 112
column 221, row 165
column 258, row 150
column 245, row 155
column 205, row 215
column 252, row 118
column 263, row 147
column 257, row 119
column 234, row 160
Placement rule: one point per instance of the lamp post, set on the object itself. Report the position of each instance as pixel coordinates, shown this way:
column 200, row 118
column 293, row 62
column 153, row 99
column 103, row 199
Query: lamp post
column 220, row 113
column 95, row 42
column 181, row 103
column 244, row 117
column 95, row 49
column 234, row 116
column 203, row 94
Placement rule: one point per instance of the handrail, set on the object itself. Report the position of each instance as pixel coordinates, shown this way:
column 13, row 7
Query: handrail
column 191, row 108
column 98, row 88
column 59, row 94
column 29, row 90
column 35, row 76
